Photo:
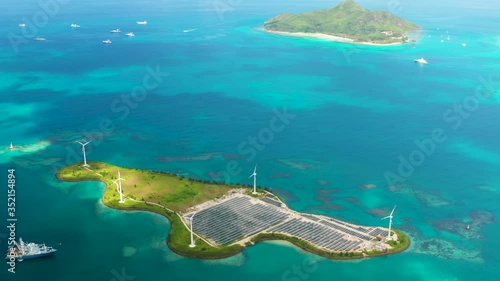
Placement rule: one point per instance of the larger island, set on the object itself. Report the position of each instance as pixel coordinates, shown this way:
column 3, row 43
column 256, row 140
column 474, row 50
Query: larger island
column 346, row 22
column 212, row 220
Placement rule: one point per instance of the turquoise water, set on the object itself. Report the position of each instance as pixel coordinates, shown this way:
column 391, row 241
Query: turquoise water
column 356, row 110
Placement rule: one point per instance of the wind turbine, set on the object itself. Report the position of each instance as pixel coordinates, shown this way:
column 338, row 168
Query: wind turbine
column 119, row 186
column 192, row 245
column 390, row 222
column 254, row 175
column 83, row 152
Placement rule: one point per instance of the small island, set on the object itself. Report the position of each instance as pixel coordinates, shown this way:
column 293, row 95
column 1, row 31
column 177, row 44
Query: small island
column 347, row 22
column 213, row 220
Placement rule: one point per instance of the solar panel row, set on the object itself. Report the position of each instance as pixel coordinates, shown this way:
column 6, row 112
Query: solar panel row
column 359, row 228
column 378, row 231
column 235, row 218
column 311, row 217
column 317, row 234
column 347, row 230
column 271, row 201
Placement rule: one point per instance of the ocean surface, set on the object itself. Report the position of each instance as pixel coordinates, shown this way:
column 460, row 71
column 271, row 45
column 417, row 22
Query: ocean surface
column 201, row 78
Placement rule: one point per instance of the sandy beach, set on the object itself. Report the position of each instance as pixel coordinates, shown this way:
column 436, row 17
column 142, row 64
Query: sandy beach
column 328, row 37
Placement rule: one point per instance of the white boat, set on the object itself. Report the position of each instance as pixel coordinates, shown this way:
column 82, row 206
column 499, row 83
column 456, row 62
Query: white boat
column 188, row 30
column 40, row 39
column 74, row 25
column 142, row 22
column 22, row 25
column 421, row 61
column 116, row 30
column 130, row 34
column 22, row 250
column 464, row 45
column 107, row 41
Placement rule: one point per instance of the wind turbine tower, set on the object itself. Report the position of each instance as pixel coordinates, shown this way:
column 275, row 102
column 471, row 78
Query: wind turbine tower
column 192, row 245
column 390, row 222
column 254, row 175
column 83, row 152
column 119, row 186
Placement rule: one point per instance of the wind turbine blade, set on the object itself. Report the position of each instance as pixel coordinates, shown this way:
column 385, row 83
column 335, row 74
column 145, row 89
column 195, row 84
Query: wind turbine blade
column 250, row 176
column 385, row 218
column 393, row 209
column 79, row 142
column 255, row 169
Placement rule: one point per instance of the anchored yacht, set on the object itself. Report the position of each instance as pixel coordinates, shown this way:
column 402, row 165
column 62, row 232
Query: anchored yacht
column 421, row 61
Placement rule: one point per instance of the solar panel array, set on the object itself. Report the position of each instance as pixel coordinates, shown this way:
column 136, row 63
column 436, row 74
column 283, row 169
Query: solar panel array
column 358, row 228
column 320, row 235
column 378, row 231
column 235, row 218
column 271, row 201
column 311, row 217
column 347, row 230
column 243, row 216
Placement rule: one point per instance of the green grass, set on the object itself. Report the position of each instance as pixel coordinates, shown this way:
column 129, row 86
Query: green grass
column 402, row 244
column 347, row 19
column 397, row 246
column 171, row 191
column 260, row 192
